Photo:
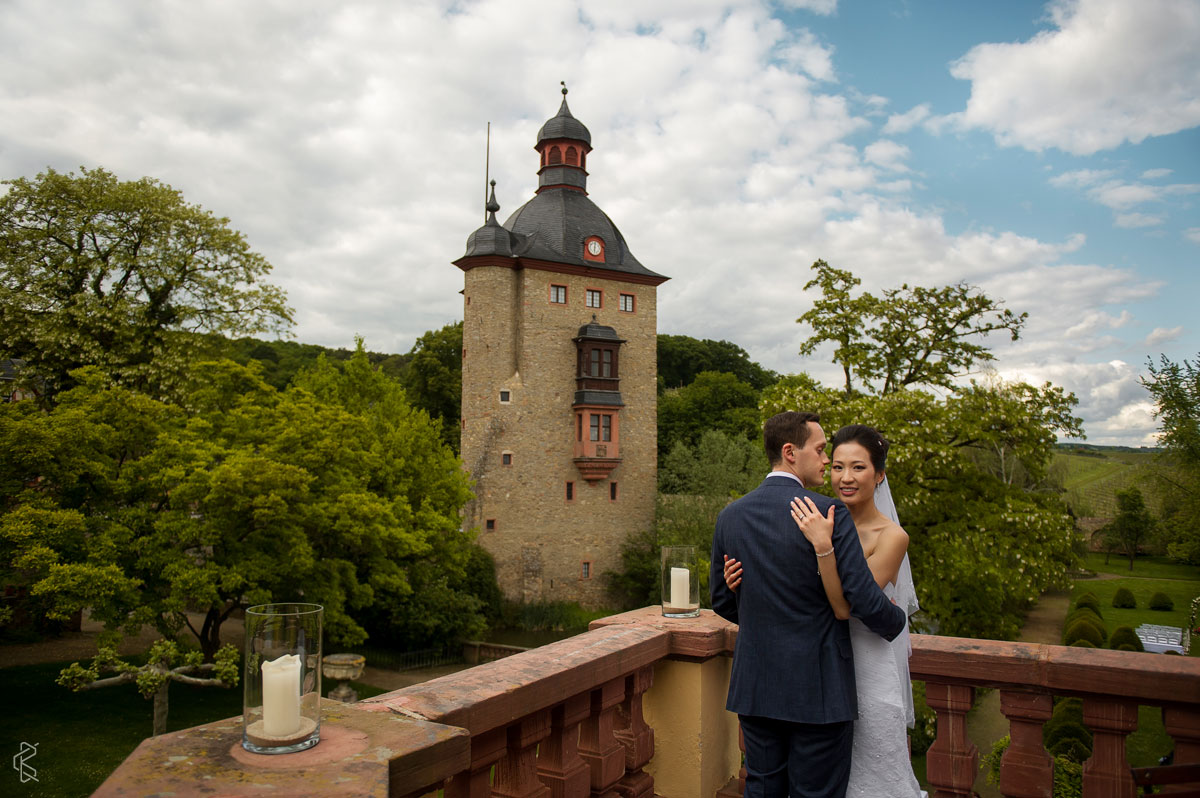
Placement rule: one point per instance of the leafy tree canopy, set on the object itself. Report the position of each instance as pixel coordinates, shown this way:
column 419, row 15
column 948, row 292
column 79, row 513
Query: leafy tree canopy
column 433, row 378
column 712, row 401
column 1176, row 391
column 682, row 358
column 114, row 274
column 909, row 336
column 334, row 491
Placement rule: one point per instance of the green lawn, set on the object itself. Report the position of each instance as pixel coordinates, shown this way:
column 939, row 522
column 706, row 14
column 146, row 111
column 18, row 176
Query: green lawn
column 1148, row 567
column 82, row 737
column 1181, row 591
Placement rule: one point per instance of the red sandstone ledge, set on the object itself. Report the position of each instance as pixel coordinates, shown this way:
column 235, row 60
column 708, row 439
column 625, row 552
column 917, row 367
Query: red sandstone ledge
column 494, row 694
column 361, row 753
column 704, row 636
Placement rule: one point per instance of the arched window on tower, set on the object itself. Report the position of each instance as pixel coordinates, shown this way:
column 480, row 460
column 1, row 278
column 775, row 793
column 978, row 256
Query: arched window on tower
column 555, row 155
column 572, row 156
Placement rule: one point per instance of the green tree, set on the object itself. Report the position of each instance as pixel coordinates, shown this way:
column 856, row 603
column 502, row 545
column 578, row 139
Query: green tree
column 335, row 491
column 1133, row 525
column 1175, row 388
column 682, row 358
column 910, row 336
column 843, row 320
column 96, row 271
column 165, row 663
column 713, row 401
column 433, row 378
column 718, row 465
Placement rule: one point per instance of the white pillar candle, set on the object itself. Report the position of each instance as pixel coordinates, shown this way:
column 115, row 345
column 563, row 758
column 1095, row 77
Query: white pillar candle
column 281, row 696
column 681, row 588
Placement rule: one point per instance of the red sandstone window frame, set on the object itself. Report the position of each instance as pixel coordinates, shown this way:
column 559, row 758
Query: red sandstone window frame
column 598, row 294
column 565, row 294
column 632, row 298
column 585, row 569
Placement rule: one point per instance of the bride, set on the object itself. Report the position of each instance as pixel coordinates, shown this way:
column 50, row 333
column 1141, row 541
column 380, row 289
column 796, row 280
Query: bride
column 879, row 763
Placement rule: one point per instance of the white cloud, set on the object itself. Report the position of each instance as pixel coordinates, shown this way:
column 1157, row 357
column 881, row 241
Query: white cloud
column 347, row 142
column 887, row 154
column 1081, row 178
column 1192, row 234
column 1154, row 174
column 1138, row 220
column 1107, row 72
column 902, row 123
column 1162, row 335
column 804, row 52
column 822, row 7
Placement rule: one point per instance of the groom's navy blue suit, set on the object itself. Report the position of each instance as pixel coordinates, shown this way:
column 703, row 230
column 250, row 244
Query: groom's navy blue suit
column 793, row 669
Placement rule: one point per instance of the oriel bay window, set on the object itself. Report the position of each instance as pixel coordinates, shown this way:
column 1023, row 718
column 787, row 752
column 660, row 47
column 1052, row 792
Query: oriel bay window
column 601, row 427
column 598, row 401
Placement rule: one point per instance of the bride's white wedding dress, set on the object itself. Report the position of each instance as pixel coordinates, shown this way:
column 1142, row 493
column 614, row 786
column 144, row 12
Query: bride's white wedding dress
column 879, row 765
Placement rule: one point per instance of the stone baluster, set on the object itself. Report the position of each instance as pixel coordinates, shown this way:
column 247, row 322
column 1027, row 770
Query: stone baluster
column 1026, row 771
column 736, row 787
column 598, row 747
column 559, row 764
column 486, row 750
column 953, row 760
column 1183, row 724
column 636, row 736
column 1106, row 774
column 516, row 772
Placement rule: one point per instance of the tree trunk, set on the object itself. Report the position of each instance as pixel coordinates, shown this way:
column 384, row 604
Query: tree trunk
column 160, row 708
column 210, row 634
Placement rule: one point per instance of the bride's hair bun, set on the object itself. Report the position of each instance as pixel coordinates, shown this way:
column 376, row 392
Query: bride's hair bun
column 867, row 437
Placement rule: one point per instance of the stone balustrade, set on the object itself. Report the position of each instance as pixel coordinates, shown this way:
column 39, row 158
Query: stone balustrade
column 635, row 708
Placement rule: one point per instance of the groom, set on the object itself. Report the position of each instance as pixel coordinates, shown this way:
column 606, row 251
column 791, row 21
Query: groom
column 793, row 672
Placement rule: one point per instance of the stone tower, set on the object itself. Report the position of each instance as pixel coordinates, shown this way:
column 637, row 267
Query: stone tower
column 559, row 382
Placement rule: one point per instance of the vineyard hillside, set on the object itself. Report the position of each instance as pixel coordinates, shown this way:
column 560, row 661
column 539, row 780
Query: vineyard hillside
column 1091, row 477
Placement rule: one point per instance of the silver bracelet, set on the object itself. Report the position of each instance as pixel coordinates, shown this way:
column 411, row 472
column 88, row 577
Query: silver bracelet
column 826, row 554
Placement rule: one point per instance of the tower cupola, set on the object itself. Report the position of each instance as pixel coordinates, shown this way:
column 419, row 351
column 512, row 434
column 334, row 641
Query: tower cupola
column 563, row 144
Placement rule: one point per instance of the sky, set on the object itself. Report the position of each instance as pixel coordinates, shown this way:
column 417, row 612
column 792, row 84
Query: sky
column 1047, row 153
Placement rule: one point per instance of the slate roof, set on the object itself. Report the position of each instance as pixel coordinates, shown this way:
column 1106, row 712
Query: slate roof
column 594, row 331
column 554, row 224
column 558, row 220
column 564, row 126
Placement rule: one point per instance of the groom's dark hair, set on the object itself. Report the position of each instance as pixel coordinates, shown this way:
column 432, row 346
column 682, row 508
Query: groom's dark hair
column 790, row 426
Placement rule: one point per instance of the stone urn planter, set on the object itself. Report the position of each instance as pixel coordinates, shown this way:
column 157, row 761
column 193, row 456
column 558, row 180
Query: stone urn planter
column 343, row 668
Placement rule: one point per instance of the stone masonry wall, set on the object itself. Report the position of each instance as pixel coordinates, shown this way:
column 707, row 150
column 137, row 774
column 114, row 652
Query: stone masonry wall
column 515, row 339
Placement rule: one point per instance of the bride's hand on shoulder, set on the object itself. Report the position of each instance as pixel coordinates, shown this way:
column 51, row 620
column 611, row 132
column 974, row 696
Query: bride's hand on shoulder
column 733, row 572
column 817, row 528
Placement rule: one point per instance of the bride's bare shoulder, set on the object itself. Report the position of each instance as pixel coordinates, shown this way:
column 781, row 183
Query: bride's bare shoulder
column 893, row 531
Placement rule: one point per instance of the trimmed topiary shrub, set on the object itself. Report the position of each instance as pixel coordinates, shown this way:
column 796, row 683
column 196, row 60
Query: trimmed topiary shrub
column 1082, row 643
column 1088, row 600
column 1162, row 602
column 1123, row 599
column 1083, row 629
column 1072, row 749
column 1070, row 707
column 1068, row 729
column 1125, row 636
column 1084, row 612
